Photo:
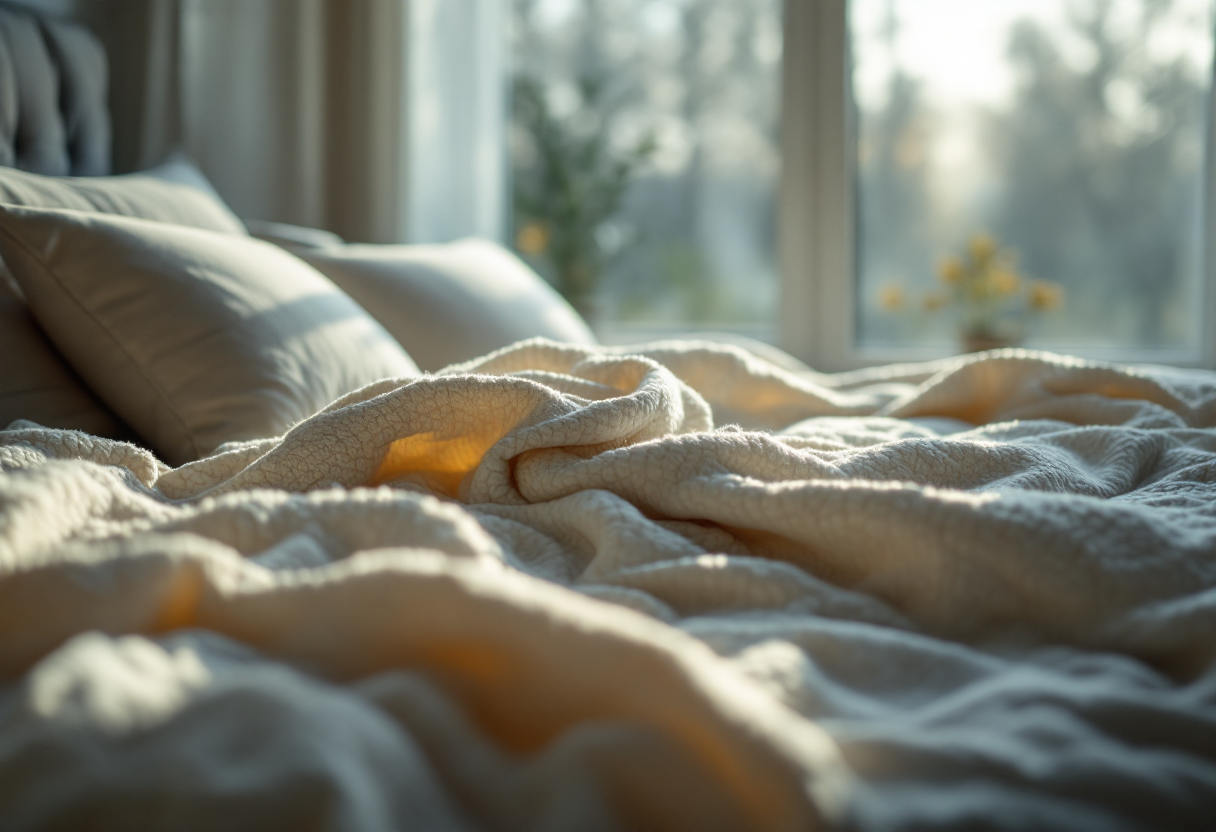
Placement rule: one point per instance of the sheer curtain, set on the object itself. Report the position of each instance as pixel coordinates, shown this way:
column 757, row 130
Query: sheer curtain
column 457, row 127
column 381, row 120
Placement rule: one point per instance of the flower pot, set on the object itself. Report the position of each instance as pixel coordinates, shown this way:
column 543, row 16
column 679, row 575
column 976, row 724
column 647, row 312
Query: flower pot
column 980, row 343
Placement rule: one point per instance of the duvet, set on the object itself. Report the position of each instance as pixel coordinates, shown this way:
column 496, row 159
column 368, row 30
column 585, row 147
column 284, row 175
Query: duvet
column 670, row 587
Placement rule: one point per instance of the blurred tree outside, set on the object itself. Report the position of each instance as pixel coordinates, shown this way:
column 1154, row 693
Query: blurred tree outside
column 896, row 208
column 1102, row 164
column 1091, row 170
column 691, row 241
column 1088, row 163
column 572, row 188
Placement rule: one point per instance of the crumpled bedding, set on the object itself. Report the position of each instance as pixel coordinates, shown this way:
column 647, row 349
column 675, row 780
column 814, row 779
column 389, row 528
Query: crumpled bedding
column 677, row 586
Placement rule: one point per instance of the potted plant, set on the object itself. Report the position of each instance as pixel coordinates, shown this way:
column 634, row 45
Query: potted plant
column 573, row 185
column 992, row 302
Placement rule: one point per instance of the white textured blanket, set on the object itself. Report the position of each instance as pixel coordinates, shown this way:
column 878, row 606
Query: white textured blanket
column 673, row 588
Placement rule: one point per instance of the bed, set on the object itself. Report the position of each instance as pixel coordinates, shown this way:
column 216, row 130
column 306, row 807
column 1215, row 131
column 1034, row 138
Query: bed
column 261, row 570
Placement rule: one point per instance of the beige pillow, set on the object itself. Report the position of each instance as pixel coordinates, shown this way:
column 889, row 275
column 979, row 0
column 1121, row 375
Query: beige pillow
column 293, row 237
column 35, row 383
column 193, row 337
column 175, row 191
column 449, row 303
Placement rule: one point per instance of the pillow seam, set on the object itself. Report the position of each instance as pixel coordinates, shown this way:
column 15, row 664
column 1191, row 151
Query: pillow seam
column 156, row 387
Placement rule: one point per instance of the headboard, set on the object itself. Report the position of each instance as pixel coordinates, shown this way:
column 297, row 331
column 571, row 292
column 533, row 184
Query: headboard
column 53, row 114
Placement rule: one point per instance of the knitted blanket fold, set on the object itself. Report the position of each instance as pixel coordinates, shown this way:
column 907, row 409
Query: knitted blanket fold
column 661, row 587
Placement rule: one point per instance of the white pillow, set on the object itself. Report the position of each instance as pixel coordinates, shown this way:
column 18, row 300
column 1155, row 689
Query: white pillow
column 293, row 237
column 175, row 191
column 35, row 383
column 195, row 338
column 449, row 303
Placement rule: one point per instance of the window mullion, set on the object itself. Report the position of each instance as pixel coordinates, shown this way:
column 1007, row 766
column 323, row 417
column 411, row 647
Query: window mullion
column 817, row 316
column 1209, row 226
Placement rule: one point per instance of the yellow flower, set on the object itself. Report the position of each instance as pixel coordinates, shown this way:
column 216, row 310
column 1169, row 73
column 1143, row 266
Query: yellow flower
column 1005, row 282
column 532, row 239
column 979, row 288
column 891, row 297
column 1045, row 295
column 950, row 270
column 935, row 302
column 981, row 247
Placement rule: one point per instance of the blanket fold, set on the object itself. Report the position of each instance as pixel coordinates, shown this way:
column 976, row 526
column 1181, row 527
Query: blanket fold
column 670, row 586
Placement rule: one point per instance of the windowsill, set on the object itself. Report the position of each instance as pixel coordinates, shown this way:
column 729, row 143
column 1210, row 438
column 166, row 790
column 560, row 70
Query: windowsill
column 875, row 355
column 618, row 334
column 869, row 356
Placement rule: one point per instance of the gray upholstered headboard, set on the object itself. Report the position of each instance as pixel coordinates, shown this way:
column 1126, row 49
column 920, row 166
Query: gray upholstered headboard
column 53, row 114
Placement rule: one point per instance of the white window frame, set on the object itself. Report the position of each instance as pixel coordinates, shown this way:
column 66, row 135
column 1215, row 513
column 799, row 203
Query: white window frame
column 817, row 321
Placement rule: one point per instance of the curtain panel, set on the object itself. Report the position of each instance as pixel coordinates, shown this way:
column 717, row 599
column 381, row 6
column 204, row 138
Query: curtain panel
column 380, row 120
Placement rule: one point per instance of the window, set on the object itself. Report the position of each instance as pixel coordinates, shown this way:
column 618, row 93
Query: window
column 680, row 100
column 805, row 173
column 1102, row 187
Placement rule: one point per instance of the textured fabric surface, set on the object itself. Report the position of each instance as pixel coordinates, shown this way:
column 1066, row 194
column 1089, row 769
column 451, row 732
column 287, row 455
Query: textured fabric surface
column 674, row 587
column 35, row 382
column 8, row 104
column 450, row 303
column 83, row 77
column 54, row 119
column 192, row 337
column 38, row 140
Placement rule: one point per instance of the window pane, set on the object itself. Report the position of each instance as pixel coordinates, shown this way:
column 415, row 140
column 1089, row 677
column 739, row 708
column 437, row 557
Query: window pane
column 645, row 158
column 1059, row 141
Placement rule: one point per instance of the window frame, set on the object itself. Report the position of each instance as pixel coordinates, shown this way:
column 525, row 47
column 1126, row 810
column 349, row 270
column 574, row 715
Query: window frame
column 817, row 213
